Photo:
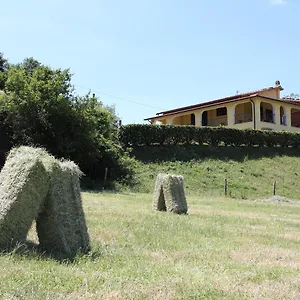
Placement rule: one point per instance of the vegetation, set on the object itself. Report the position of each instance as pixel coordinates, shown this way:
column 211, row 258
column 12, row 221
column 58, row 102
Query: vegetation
column 165, row 135
column 224, row 249
column 251, row 172
column 39, row 107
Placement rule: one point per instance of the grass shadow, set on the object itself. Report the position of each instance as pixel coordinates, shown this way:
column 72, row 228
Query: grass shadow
column 198, row 152
column 31, row 250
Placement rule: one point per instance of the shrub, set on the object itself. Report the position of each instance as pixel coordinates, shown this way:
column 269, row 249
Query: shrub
column 145, row 135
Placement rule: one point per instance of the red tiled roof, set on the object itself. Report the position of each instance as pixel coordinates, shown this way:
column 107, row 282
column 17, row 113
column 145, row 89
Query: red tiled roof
column 229, row 99
column 216, row 101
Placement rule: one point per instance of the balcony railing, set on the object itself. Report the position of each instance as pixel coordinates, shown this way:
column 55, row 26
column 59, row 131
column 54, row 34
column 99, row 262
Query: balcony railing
column 268, row 119
column 214, row 122
column 243, row 118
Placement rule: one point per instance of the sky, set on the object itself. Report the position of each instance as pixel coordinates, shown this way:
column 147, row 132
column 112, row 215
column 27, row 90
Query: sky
column 146, row 56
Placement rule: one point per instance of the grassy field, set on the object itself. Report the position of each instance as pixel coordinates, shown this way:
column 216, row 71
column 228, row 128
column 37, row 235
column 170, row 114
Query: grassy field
column 224, row 249
column 251, row 172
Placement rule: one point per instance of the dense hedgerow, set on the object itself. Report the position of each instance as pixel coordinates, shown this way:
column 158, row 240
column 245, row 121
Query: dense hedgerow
column 145, row 135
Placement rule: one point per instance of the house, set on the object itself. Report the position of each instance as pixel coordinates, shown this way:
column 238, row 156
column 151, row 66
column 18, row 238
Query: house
column 262, row 109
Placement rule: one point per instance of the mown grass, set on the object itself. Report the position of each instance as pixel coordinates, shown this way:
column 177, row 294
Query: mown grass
column 224, row 249
column 250, row 172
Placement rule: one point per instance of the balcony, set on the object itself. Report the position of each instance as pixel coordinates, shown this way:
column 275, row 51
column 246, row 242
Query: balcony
column 214, row 122
column 243, row 118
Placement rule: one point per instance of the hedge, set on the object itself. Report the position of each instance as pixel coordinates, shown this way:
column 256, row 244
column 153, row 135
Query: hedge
column 145, row 135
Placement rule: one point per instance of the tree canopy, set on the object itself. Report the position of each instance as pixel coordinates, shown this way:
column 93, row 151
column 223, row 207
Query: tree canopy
column 40, row 107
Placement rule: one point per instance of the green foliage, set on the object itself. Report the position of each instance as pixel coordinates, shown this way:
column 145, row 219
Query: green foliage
column 145, row 135
column 40, row 108
column 3, row 68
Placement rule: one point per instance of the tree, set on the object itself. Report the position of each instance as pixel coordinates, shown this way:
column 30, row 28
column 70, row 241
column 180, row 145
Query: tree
column 3, row 69
column 292, row 96
column 41, row 109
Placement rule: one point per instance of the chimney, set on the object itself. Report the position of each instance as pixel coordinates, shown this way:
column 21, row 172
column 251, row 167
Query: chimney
column 279, row 88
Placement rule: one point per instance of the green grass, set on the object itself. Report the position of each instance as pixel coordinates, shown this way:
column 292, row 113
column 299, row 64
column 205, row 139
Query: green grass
column 251, row 172
column 224, row 249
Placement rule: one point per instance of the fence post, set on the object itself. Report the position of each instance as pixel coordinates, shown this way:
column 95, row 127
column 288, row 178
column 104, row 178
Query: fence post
column 225, row 186
column 105, row 177
column 274, row 188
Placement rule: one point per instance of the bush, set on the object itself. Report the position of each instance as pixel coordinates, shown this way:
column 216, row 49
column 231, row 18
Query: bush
column 39, row 107
column 145, row 135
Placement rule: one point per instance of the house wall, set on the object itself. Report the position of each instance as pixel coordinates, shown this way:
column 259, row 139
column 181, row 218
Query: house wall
column 234, row 108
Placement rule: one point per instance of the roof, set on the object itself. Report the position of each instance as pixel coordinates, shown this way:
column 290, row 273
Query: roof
column 229, row 99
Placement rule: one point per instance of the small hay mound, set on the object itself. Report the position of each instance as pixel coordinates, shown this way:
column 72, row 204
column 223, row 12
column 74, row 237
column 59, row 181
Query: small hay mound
column 24, row 184
column 279, row 199
column 169, row 194
column 61, row 227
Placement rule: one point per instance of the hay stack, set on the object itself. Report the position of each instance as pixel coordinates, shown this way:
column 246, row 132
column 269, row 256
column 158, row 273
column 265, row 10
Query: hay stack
column 34, row 185
column 174, row 194
column 158, row 198
column 169, row 194
column 24, row 184
column 61, row 227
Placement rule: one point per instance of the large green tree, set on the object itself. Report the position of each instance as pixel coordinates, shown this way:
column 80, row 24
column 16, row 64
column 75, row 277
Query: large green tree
column 40, row 108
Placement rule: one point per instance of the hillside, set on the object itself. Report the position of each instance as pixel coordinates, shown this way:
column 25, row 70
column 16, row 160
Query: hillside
column 250, row 172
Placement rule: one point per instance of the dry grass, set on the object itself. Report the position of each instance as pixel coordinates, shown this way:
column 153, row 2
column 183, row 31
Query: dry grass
column 61, row 226
column 158, row 202
column 169, row 194
column 24, row 184
column 34, row 185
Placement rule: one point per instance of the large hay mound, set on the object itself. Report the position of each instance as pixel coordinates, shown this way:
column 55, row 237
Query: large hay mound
column 34, row 185
column 61, row 227
column 169, row 194
column 24, row 184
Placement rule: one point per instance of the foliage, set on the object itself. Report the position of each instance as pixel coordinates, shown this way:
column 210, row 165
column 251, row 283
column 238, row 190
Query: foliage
column 40, row 108
column 3, row 68
column 292, row 96
column 144, row 135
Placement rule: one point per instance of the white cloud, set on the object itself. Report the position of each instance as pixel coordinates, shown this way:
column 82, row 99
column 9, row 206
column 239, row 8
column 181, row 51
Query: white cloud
column 278, row 2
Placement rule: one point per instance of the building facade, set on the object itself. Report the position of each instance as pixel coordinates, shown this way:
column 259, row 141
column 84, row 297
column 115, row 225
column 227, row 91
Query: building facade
column 262, row 109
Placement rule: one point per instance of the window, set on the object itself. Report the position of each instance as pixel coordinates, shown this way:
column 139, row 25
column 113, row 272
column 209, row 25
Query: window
column 222, row 111
column 193, row 119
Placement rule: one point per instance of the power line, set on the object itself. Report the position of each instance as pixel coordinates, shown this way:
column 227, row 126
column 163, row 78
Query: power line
column 117, row 97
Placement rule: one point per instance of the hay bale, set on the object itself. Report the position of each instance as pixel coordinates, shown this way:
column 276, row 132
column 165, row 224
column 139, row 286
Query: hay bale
column 24, row 184
column 61, row 227
column 158, row 202
column 169, row 194
column 174, row 195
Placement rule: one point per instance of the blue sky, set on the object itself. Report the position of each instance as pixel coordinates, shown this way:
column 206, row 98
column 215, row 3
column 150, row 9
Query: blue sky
column 144, row 56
